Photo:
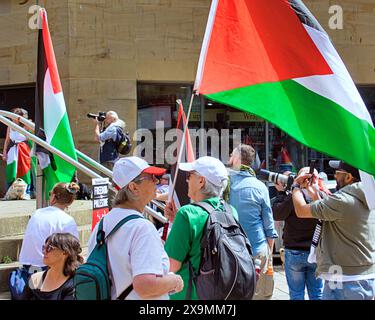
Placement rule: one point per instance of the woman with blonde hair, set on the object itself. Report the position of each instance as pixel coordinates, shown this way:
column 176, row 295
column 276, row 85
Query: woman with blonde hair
column 61, row 255
column 44, row 222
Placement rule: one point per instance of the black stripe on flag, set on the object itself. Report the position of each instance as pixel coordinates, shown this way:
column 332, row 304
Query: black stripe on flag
column 39, row 98
column 39, row 91
column 304, row 15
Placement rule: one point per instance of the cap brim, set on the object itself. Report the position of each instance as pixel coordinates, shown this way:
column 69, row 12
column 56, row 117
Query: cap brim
column 186, row 166
column 334, row 164
column 155, row 170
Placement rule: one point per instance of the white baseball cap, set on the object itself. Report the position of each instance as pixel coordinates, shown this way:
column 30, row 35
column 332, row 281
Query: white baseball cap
column 210, row 168
column 126, row 169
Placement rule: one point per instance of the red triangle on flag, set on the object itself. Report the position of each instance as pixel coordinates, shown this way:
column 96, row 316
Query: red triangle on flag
column 249, row 47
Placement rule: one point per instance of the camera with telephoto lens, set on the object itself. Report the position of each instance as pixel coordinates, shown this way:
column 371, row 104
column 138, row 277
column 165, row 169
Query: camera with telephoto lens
column 276, row 178
column 100, row 116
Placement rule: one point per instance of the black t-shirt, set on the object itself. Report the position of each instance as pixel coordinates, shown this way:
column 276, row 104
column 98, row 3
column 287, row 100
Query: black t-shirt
column 298, row 232
column 64, row 292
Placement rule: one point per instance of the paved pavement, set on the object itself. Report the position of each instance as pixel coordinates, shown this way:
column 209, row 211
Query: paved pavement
column 280, row 290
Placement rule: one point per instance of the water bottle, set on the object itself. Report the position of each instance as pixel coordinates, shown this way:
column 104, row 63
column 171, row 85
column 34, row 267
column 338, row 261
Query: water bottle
column 257, row 263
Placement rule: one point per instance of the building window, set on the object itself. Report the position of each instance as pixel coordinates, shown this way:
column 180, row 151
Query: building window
column 157, row 102
column 17, row 96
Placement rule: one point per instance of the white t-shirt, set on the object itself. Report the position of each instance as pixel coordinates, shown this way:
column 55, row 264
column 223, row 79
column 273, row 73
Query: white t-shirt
column 41, row 225
column 134, row 249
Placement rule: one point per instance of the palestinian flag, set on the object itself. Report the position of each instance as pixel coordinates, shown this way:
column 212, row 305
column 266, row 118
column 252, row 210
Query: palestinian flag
column 51, row 118
column 18, row 161
column 273, row 59
column 181, row 187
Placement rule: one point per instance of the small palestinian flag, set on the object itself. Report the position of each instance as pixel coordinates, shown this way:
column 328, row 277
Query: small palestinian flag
column 181, row 186
column 18, row 159
column 51, row 118
column 273, row 59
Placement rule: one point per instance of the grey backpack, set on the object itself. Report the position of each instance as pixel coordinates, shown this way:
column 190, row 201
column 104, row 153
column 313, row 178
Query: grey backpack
column 226, row 270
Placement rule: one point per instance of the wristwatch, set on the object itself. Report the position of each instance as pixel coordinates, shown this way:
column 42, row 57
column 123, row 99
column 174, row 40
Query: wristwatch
column 295, row 186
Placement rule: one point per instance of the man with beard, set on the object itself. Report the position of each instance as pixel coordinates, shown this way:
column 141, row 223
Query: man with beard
column 346, row 250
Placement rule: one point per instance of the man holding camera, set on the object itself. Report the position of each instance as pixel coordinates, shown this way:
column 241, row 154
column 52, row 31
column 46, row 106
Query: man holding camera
column 108, row 137
column 346, row 250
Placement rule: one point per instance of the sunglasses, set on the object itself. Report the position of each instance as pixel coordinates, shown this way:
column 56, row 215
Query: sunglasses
column 151, row 177
column 190, row 173
column 48, row 248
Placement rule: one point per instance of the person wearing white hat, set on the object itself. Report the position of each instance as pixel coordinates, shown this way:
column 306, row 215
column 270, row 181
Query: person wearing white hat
column 207, row 179
column 135, row 252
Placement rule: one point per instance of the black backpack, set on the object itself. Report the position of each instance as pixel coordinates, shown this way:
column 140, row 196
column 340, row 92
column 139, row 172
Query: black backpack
column 226, row 270
column 123, row 142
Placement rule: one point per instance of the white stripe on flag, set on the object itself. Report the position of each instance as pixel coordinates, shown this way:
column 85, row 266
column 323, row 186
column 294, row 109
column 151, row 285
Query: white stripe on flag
column 54, row 108
column 369, row 186
column 338, row 87
column 12, row 154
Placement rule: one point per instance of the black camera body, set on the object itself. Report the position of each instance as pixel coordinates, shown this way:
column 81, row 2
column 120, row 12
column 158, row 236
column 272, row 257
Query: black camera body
column 100, row 116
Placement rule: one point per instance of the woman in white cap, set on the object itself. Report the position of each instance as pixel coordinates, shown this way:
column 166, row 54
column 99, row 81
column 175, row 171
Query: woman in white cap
column 139, row 266
column 207, row 179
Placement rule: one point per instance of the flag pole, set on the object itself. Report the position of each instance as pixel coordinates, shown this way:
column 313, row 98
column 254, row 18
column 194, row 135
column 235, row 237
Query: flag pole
column 182, row 145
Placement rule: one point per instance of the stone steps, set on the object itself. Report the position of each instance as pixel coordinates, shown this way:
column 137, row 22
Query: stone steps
column 10, row 246
column 14, row 216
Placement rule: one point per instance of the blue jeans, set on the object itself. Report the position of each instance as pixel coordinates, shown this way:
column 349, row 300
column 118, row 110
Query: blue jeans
column 300, row 274
column 350, row 290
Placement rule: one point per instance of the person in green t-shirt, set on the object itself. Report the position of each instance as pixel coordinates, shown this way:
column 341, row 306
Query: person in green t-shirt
column 207, row 179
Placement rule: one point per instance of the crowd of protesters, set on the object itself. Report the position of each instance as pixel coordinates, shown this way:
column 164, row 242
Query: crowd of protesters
column 329, row 238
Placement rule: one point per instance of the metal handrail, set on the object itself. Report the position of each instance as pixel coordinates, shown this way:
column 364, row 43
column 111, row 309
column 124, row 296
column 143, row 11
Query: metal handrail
column 76, row 164
column 85, row 158
column 48, row 147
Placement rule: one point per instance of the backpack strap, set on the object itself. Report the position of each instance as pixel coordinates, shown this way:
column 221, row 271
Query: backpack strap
column 225, row 219
column 125, row 293
column 122, row 222
column 101, row 237
column 206, row 206
column 189, row 289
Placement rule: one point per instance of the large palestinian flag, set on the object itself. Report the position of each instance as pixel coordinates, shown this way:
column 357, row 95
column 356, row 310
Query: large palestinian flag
column 51, row 118
column 273, row 59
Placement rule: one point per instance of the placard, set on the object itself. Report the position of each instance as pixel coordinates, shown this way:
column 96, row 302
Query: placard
column 100, row 199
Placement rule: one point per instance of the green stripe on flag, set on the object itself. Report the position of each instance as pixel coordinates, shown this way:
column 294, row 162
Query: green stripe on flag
column 311, row 119
column 63, row 141
column 49, row 181
column 11, row 172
